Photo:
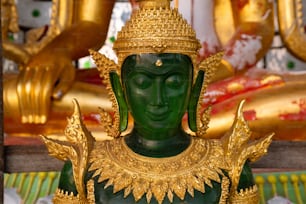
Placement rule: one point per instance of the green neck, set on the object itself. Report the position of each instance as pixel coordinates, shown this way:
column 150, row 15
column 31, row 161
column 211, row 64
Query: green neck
column 163, row 147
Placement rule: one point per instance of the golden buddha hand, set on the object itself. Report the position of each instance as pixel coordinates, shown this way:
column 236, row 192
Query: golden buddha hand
column 48, row 75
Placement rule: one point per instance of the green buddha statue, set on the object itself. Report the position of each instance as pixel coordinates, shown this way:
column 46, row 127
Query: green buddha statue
column 156, row 160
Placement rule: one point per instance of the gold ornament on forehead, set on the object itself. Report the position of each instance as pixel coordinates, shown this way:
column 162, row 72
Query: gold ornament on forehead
column 159, row 63
column 156, row 28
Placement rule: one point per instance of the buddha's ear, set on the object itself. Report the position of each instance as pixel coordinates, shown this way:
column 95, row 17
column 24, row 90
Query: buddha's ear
column 123, row 109
column 193, row 101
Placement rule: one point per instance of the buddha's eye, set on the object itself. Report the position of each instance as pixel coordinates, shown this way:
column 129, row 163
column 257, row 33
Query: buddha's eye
column 174, row 81
column 142, row 81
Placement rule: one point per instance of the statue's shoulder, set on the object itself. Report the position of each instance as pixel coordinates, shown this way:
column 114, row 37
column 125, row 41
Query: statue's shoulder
column 238, row 148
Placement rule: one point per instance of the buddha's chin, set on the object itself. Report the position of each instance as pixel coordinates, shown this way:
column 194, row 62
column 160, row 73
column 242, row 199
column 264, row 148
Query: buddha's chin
column 160, row 126
column 157, row 118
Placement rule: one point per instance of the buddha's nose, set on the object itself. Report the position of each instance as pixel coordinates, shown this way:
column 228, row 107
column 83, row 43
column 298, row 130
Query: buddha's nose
column 158, row 98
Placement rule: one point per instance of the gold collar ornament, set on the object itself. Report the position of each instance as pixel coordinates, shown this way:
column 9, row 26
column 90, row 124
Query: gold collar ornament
column 201, row 163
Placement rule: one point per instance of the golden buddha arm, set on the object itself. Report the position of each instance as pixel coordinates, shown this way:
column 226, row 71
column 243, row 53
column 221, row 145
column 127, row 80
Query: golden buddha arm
column 50, row 72
column 290, row 19
column 246, row 35
column 90, row 19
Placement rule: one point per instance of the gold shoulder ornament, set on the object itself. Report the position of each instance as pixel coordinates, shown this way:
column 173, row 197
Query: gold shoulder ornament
column 77, row 149
column 237, row 150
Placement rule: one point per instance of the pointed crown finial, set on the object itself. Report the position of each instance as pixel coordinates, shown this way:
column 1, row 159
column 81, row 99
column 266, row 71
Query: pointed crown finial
column 154, row 3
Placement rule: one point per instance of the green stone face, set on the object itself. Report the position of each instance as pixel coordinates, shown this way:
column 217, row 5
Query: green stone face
column 157, row 93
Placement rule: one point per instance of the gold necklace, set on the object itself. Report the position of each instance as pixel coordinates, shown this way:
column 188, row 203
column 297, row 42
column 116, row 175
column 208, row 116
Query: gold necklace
column 201, row 163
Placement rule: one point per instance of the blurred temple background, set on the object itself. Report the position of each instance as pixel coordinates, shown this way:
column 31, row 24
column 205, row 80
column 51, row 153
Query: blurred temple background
column 38, row 187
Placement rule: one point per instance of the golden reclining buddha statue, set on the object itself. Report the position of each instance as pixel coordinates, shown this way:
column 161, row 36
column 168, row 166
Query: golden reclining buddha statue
column 275, row 100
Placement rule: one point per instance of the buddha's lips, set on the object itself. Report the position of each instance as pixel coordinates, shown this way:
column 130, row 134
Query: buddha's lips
column 157, row 112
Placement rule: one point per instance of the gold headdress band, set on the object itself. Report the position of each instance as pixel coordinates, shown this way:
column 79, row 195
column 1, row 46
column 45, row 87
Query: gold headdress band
column 156, row 28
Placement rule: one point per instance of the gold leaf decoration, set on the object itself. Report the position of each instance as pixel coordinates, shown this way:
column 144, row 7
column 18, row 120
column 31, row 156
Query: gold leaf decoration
column 156, row 29
column 91, row 192
column 63, row 197
column 80, row 143
column 202, row 162
column 60, row 150
column 249, row 195
column 105, row 66
column 225, row 190
column 238, row 149
column 209, row 66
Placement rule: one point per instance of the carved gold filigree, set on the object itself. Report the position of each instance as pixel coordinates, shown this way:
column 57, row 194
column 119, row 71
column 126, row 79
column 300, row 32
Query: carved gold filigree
column 105, row 66
column 225, row 190
column 200, row 164
column 238, row 149
column 156, row 28
column 77, row 149
column 209, row 66
column 60, row 196
column 90, row 191
column 249, row 195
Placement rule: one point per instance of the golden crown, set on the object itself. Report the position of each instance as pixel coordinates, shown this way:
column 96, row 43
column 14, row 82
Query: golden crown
column 156, row 28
